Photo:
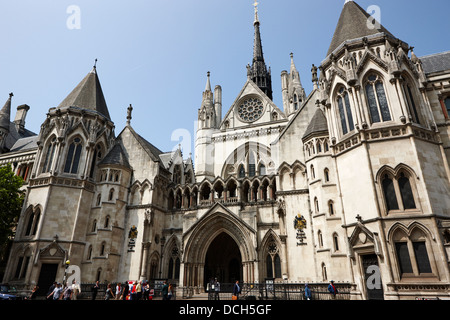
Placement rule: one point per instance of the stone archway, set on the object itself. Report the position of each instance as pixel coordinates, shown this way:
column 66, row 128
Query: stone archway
column 223, row 260
column 219, row 230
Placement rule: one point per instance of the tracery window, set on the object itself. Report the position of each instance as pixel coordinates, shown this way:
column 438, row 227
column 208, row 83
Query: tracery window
column 273, row 261
column 73, row 156
column 398, row 192
column 33, row 222
column 410, row 100
column 345, row 111
column 49, row 156
column 412, row 253
column 376, row 98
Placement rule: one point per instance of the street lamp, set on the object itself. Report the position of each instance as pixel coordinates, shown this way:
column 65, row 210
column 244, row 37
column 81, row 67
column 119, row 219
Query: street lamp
column 67, row 264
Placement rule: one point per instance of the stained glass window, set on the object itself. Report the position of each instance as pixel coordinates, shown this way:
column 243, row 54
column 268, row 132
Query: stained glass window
column 377, row 100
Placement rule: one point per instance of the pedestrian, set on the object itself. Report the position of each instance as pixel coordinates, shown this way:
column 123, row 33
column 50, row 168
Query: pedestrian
column 118, row 291
column 109, row 294
column 169, row 292
column 236, row 290
column 211, row 289
column 125, row 291
column 216, row 289
column 308, row 294
column 139, row 290
column 146, row 290
column 165, row 291
column 50, row 290
column 33, row 293
column 95, row 290
column 332, row 289
column 133, row 291
column 76, row 290
column 56, row 293
column 67, row 294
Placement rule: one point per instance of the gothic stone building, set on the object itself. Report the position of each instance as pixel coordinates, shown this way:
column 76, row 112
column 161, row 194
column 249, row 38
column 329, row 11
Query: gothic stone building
column 332, row 185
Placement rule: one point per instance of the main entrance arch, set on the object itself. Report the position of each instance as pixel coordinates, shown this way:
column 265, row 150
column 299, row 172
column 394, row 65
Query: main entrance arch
column 223, row 260
column 219, row 245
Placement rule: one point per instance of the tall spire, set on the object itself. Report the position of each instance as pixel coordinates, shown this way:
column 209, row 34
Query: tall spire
column 5, row 114
column 258, row 71
column 88, row 94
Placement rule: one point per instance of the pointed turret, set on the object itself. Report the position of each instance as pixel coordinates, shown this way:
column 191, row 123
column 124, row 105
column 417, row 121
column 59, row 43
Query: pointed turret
column 5, row 114
column 258, row 72
column 292, row 90
column 355, row 23
column 88, row 95
column 5, row 120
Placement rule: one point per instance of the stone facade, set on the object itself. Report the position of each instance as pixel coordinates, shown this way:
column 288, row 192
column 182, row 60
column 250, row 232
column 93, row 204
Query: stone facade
column 348, row 183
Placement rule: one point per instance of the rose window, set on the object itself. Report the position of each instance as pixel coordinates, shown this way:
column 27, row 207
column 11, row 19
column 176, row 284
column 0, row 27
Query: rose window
column 251, row 110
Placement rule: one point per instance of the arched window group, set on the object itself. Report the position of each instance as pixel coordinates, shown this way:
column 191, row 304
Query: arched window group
column 33, row 217
column 398, row 191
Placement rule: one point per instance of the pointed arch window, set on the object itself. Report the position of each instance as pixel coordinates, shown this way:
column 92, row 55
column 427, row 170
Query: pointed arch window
column 73, row 156
column 97, row 157
column 345, row 111
column 398, row 192
column 273, row 261
column 376, row 98
column 49, row 156
column 33, row 222
column 262, row 170
column 241, row 171
column 251, row 165
column 410, row 100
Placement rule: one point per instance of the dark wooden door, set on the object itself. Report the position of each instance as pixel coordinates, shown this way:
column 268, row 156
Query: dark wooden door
column 372, row 277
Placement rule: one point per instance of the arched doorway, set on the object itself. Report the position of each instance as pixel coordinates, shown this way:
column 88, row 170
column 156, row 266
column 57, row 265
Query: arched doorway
column 223, row 260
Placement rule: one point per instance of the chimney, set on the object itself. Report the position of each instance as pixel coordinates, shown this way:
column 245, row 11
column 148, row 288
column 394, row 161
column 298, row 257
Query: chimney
column 21, row 114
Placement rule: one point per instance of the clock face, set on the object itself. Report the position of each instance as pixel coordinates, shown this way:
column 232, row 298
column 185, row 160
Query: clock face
column 250, row 110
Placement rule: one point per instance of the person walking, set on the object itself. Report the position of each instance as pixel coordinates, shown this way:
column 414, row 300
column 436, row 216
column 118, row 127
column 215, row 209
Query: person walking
column 76, row 290
column 332, row 289
column 56, row 293
column 236, row 290
column 95, row 290
column 50, row 290
column 169, row 292
column 165, row 291
column 109, row 294
column 125, row 290
column 139, row 290
column 146, row 291
column 216, row 289
column 308, row 295
column 67, row 293
column 118, row 291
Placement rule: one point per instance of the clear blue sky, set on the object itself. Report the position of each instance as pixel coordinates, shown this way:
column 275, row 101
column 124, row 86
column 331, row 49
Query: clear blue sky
column 154, row 54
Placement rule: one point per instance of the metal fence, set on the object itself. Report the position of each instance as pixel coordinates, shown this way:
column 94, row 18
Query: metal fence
column 279, row 291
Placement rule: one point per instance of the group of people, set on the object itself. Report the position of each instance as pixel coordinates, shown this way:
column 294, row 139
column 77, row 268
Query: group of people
column 58, row 291
column 214, row 290
column 137, row 290
column 331, row 289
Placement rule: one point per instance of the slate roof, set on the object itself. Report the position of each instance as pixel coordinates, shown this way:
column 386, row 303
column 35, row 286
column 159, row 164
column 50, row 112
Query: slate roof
column 352, row 25
column 24, row 144
column 116, row 156
column 88, row 95
column 436, row 62
column 318, row 124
